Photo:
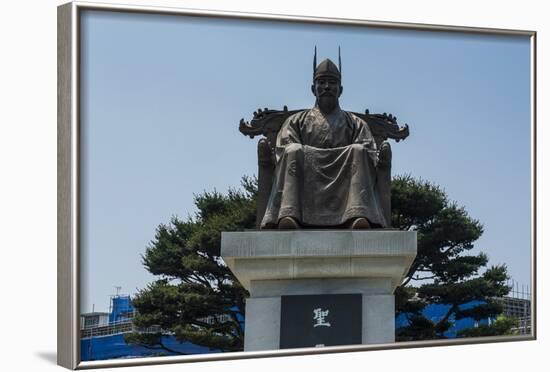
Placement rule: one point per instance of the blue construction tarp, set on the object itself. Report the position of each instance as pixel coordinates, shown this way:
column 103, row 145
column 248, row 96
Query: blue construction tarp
column 114, row 347
column 435, row 312
column 122, row 309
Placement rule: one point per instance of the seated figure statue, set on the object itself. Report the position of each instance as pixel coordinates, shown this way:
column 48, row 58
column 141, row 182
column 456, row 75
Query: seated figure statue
column 329, row 169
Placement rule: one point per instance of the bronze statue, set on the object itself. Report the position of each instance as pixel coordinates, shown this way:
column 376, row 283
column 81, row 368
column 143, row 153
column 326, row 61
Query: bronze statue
column 324, row 167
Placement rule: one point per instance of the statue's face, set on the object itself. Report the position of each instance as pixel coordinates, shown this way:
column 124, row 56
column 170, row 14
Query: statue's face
column 327, row 87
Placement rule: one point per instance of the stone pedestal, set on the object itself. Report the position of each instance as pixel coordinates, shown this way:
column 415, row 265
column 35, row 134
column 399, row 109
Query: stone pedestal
column 272, row 264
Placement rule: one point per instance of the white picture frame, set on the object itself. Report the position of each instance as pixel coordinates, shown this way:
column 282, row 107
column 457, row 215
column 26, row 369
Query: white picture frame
column 69, row 186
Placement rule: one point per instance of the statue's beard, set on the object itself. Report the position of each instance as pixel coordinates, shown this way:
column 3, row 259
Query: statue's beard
column 327, row 103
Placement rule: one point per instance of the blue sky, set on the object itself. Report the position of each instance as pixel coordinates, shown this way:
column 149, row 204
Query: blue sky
column 161, row 98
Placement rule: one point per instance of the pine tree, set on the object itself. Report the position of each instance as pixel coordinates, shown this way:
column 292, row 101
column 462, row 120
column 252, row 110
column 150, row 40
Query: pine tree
column 447, row 273
column 196, row 297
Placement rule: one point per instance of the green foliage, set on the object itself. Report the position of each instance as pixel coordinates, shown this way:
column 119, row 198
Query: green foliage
column 196, row 297
column 151, row 341
column 501, row 326
column 446, row 273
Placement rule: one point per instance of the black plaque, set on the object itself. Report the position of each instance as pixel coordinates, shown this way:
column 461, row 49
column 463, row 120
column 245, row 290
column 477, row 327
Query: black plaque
column 320, row 320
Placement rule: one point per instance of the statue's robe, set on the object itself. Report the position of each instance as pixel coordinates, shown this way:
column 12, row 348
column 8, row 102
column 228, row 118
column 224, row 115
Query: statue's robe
column 326, row 171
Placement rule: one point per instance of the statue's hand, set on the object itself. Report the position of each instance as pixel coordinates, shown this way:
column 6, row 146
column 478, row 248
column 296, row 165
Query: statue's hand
column 384, row 154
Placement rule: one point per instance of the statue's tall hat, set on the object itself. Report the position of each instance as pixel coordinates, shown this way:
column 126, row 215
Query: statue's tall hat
column 327, row 67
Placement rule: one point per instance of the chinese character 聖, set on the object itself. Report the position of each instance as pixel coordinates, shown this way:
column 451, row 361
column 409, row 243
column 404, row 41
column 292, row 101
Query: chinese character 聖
column 319, row 316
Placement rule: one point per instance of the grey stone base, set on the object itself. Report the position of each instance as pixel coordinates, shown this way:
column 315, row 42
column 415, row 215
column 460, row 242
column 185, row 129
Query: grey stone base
column 263, row 308
column 271, row 264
